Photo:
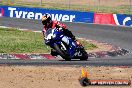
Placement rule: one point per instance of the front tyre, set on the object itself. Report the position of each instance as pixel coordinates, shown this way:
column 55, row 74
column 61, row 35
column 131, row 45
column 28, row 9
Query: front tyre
column 84, row 56
column 61, row 53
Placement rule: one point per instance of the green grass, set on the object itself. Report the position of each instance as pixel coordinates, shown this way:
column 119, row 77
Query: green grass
column 87, row 45
column 16, row 41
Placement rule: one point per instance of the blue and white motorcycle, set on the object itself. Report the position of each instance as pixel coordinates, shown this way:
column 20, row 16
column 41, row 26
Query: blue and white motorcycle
column 65, row 46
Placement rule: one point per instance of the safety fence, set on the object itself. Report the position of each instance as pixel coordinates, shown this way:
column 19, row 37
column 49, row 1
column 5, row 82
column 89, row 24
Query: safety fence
column 107, row 6
column 66, row 16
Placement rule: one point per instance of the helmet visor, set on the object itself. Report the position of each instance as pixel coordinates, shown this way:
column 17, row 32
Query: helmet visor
column 44, row 22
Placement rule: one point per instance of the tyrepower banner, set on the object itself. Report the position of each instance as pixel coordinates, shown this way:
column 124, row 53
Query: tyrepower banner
column 114, row 19
column 36, row 13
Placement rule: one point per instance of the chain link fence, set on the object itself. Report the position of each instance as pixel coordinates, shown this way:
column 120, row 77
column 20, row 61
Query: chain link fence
column 103, row 6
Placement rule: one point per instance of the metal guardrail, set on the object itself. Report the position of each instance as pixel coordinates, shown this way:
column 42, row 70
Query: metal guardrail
column 109, row 6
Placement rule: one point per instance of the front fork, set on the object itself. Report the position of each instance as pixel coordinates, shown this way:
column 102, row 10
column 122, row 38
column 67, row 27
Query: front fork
column 71, row 45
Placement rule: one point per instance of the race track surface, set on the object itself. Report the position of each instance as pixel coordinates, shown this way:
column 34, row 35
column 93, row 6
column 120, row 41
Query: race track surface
column 115, row 35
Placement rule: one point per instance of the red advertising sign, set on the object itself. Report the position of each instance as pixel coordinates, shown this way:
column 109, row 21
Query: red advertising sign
column 104, row 18
column 1, row 12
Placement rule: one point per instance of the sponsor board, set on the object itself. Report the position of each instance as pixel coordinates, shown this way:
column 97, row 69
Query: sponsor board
column 1, row 12
column 59, row 15
column 104, row 18
column 114, row 19
column 66, row 16
column 122, row 19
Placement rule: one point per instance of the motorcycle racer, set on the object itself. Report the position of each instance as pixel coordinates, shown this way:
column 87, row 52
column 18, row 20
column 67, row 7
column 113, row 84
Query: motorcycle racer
column 48, row 23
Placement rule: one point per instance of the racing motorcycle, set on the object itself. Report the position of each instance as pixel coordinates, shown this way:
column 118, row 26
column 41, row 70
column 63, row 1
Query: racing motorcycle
column 54, row 39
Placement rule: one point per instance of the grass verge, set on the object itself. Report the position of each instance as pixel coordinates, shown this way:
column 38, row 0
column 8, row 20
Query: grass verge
column 16, row 41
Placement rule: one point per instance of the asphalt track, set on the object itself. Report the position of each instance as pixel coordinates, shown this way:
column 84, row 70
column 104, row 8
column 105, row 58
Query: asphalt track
column 115, row 35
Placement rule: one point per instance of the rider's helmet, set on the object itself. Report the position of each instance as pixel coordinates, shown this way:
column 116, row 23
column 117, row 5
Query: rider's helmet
column 46, row 19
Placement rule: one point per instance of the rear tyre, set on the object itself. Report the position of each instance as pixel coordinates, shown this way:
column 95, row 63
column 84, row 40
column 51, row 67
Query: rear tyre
column 61, row 53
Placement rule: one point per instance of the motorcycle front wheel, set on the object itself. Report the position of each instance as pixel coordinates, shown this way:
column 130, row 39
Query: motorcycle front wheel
column 61, row 53
column 84, row 56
